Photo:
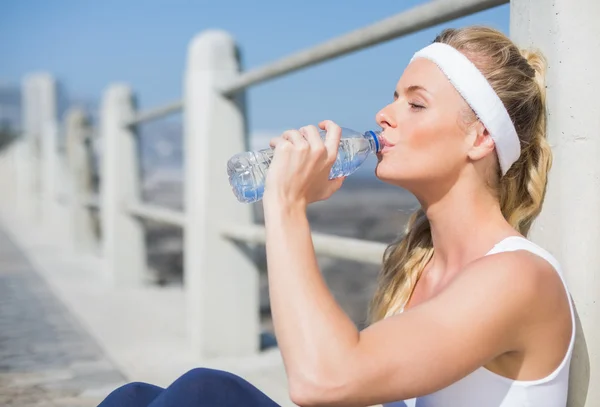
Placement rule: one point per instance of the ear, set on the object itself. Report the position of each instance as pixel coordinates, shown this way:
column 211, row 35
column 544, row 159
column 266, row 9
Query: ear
column 482, row 142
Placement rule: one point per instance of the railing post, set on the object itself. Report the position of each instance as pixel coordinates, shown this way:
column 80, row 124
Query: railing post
column 8, row 174
column 53, row 216
column 48, row 137
column 569, row 224
column 39, row 112
column 26, row 199
column 124, row 247
column 221, row 282
column 77, row 152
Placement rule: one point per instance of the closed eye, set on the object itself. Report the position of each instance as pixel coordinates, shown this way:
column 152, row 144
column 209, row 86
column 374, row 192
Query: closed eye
column 416, row 106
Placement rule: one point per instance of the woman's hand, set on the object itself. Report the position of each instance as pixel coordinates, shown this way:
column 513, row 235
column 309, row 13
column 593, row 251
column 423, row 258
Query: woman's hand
column 299, row 172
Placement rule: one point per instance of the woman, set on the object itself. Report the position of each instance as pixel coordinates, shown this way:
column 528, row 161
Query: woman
column 468, row 312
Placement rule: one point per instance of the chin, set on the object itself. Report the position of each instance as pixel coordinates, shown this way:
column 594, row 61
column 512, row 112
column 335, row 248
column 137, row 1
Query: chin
column 391, row 175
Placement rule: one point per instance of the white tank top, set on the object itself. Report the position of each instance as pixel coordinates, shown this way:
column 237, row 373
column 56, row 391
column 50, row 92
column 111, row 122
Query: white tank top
column 483, row 388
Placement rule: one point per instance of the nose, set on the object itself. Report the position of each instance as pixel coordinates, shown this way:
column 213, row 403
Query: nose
column 385, row 118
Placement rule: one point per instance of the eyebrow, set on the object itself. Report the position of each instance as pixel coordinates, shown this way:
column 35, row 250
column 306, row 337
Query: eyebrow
column 412, row 88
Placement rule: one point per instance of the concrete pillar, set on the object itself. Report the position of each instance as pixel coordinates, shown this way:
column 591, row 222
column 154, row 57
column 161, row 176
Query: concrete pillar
column 568, row 34
column 39, row 115
column 27, row 201
column 39, row 101
column 221, row 282
column 53, row 219
column 8, row 174
column 79, row 170
column 124, row 247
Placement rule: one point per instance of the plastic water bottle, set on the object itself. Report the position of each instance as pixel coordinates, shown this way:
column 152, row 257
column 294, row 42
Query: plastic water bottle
column 247, row 171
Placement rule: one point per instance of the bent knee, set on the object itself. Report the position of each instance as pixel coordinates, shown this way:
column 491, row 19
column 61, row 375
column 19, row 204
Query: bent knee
column 205, row 386
column 131, row 392
column 204, row 374
column 131, row 389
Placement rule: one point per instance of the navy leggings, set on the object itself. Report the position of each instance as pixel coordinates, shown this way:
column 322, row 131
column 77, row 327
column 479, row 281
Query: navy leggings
column 199, row 387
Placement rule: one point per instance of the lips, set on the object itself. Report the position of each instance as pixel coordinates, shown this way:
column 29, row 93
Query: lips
column 386, row 144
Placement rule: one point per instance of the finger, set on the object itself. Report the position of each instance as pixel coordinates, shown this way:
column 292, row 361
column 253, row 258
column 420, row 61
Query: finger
column 295, row 138
column 276, row 141
column 333, row 137
column 312, row 135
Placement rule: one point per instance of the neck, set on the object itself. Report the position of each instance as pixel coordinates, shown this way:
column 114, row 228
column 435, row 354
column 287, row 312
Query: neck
column 465, row 222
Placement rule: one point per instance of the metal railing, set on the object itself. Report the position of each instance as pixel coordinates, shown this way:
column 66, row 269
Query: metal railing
column 156, row 113
column 157, row 213
column 416, row 19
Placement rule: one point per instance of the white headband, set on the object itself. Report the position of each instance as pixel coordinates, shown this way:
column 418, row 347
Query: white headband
column 478, row 93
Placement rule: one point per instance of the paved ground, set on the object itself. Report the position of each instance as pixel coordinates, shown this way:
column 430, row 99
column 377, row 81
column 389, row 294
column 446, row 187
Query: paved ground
column 46, row 357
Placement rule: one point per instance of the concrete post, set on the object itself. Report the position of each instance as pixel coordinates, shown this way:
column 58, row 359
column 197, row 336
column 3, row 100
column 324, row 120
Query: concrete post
column 79, row 169
column 27, row 201
column 8, row 163
column 569, row 226
column 221, row 282
column 39, row 115
column 124, row 247
column 46, row 127
column 53, row 218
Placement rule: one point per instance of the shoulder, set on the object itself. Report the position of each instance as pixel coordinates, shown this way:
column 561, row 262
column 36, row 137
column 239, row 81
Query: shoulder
column 519, row 283
column 507, row 289
column 520, row 265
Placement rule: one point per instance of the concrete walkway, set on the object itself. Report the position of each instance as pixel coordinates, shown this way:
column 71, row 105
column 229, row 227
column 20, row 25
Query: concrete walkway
column 46, row 357
column 67, row 333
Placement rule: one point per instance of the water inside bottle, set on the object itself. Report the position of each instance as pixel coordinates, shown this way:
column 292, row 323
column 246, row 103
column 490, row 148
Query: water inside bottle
column 247, row 172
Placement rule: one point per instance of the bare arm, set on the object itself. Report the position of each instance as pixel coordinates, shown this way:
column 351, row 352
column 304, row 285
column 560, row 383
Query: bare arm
column 329, row 362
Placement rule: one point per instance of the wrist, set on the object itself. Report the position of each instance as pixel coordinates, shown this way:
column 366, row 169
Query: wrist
column 279, row 206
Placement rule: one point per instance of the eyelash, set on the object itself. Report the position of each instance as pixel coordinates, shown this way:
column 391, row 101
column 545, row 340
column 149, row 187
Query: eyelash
column 416, row 106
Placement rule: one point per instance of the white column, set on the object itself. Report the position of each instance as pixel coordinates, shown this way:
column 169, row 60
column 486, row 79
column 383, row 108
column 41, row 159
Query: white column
column 39, row 114
column 8, row 166
column 79, row 170
column 27, row 200
column 47, row 130
column 221, row 282
column 124, row 248
column 52, row 219
column 568, row 34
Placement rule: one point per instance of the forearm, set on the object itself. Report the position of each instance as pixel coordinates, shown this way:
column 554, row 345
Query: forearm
column 314, row 334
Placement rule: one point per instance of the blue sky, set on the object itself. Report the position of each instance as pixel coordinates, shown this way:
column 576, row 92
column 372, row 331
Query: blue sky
column 89, row 44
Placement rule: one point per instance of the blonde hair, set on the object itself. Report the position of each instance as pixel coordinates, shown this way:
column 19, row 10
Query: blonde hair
column 517, row 76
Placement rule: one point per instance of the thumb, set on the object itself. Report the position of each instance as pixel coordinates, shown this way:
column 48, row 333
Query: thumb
column 332, row 138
